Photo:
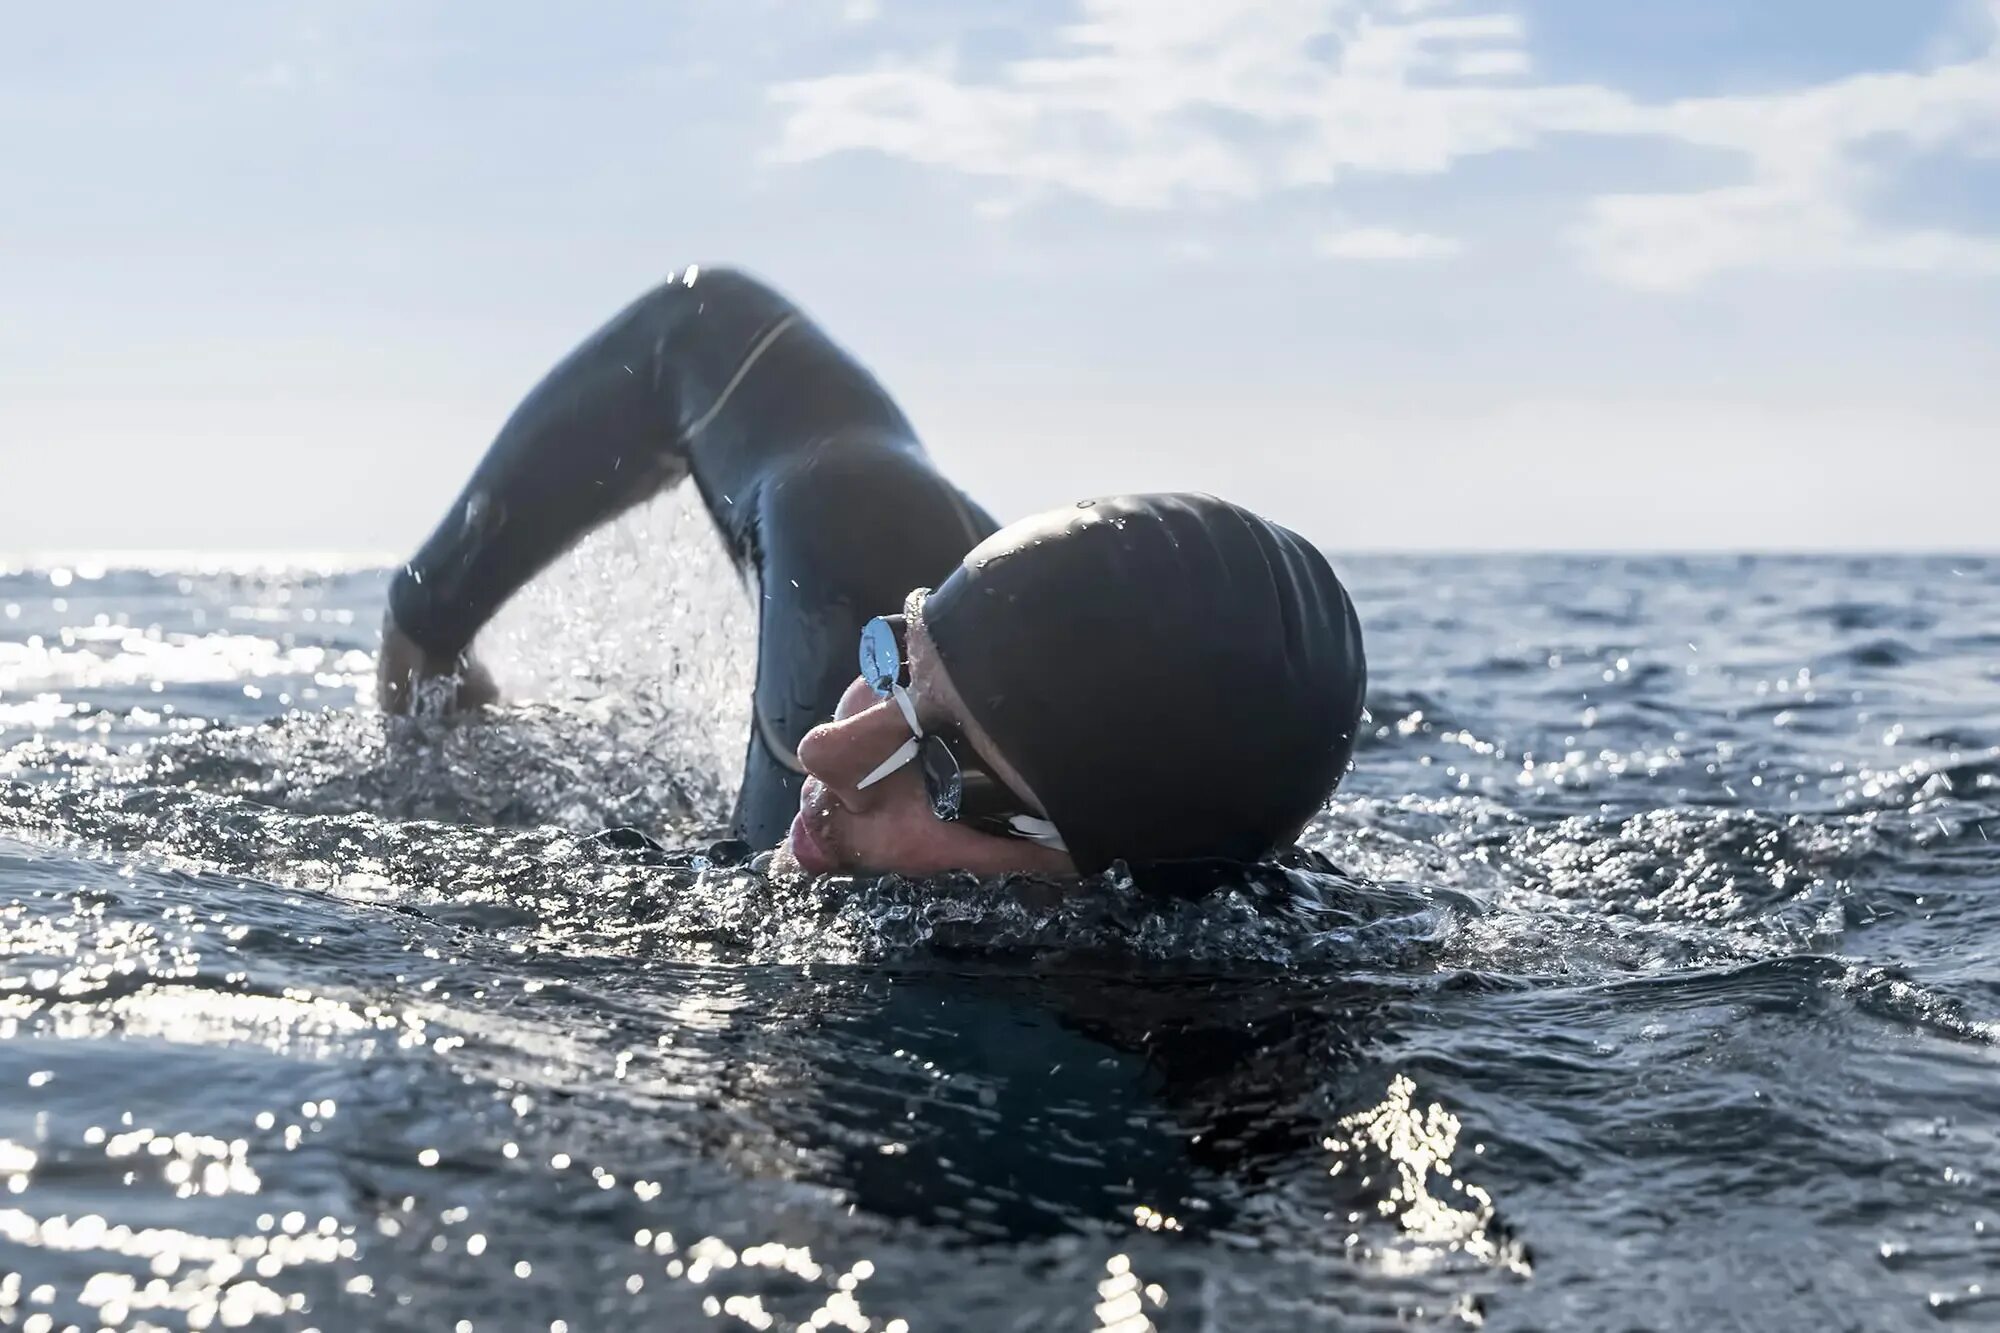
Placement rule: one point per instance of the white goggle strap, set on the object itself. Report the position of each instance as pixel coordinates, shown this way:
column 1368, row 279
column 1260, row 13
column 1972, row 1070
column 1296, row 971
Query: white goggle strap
column 904, row 752
column 1037, row 830
column 908, row 705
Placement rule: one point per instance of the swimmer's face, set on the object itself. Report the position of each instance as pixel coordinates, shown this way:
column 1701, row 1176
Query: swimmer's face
column 889, row 827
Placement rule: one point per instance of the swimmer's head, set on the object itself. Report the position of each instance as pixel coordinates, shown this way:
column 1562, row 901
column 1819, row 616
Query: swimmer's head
column 1175, row 677
column 1163, row 678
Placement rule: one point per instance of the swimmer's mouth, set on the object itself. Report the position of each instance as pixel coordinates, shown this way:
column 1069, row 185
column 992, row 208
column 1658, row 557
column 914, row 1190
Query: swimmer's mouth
column 806, row 849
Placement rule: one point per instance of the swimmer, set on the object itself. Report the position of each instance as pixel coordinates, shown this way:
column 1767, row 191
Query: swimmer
column 1159, row 679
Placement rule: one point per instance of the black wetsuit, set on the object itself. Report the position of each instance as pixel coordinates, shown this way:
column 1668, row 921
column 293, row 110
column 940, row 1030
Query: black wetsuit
column 811, row 473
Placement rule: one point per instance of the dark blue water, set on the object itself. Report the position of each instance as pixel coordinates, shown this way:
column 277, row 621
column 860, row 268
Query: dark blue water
column 1661, row 988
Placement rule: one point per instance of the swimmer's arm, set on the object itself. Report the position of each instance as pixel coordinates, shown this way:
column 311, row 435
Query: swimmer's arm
column 404, row 671
column 604, row 431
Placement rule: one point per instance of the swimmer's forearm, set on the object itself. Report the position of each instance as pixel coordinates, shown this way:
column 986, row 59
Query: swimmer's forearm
column 409, row 679
column 598, row 435
column 716, row 374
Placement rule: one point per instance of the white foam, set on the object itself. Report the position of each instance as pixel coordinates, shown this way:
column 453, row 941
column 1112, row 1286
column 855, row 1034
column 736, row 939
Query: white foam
column 648, row 615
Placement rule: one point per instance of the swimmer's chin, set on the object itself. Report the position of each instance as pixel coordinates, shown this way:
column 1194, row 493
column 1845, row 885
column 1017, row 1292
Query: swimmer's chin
column 803, row 854
column 784, row 865
column 782, row 862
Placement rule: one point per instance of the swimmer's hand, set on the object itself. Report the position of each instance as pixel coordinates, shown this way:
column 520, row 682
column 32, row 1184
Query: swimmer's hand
column 410, row 680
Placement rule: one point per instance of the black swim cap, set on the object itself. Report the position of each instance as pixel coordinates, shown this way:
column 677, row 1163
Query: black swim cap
column 1175, row 677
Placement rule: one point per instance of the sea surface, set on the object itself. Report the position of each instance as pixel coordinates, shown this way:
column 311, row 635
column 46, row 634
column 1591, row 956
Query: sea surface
column 1660, row 988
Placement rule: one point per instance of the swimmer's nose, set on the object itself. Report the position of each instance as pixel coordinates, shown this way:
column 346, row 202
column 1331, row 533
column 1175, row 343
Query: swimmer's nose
column 866, row 729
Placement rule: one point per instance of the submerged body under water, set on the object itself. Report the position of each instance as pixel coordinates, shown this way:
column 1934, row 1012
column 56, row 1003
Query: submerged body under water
column 1661, row 988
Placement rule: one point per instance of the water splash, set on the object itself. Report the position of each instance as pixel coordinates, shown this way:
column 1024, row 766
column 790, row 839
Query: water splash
column 647, row 621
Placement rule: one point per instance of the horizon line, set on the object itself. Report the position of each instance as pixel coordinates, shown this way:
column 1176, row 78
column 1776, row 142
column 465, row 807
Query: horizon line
column 252, row 559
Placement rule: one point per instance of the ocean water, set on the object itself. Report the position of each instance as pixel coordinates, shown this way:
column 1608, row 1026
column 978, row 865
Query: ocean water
column 1660, row 989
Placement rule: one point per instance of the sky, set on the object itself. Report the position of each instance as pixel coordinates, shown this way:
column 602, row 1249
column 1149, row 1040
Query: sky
column 1402, row 274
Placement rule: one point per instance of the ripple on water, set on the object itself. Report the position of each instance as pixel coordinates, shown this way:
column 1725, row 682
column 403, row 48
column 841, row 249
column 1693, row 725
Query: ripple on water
column 1654, row 976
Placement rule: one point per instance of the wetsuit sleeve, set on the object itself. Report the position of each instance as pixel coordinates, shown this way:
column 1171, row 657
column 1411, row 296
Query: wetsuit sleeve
column 608, row 428
column 810, row 472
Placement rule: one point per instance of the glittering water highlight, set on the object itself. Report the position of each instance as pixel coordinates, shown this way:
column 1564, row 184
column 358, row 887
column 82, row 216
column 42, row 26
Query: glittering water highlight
column 1659, row 987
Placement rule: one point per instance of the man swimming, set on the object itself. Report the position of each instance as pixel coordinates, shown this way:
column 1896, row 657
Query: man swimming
column 1156, row 679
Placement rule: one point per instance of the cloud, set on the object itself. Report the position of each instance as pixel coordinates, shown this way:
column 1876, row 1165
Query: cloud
column 1384, row 243
column 1150, row 104
column 1157, row 104
column 1806, row 204
column 1667, row 241
column 306, row 66
column 279, row 75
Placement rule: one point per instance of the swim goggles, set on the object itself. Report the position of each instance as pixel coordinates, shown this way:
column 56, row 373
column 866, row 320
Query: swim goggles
column 959, row 787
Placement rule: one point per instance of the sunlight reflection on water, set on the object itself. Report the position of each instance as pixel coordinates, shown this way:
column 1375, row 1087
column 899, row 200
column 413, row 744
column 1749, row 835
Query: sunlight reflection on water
column 1639, row 948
